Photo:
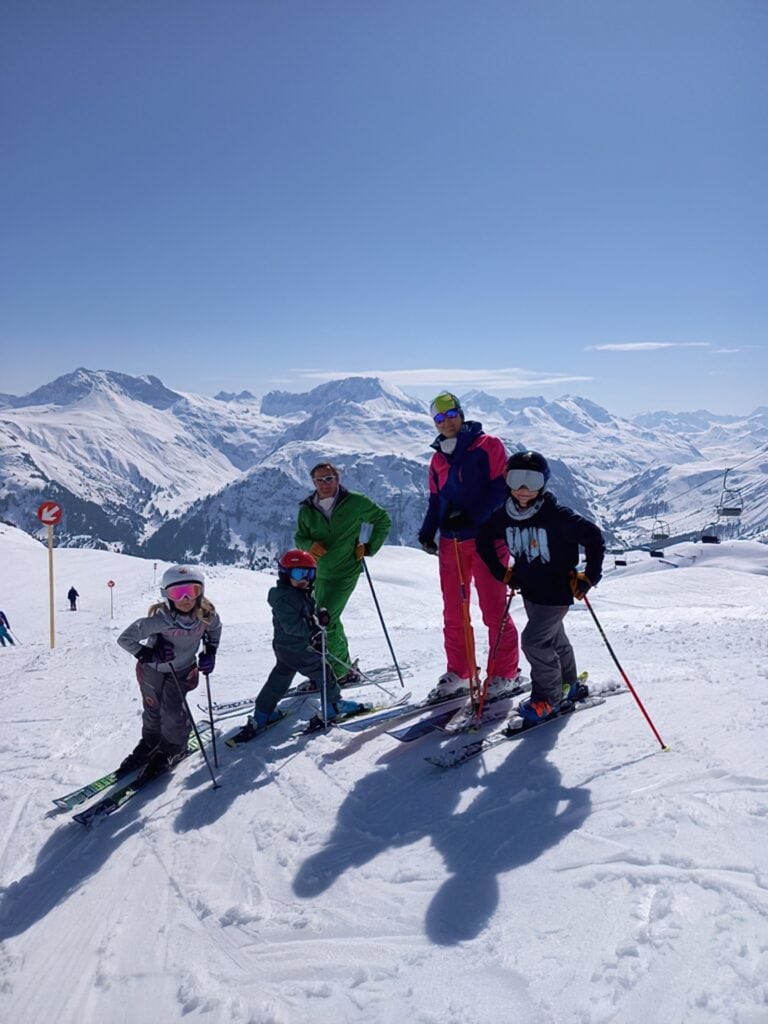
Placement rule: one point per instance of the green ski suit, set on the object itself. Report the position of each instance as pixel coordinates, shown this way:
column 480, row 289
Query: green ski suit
column 338, row 570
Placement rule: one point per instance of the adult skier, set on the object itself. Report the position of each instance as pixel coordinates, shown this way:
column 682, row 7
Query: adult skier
column 543, row 538
column 329, row 525
column 72, row 596
column 165, row 644
column 466, row 484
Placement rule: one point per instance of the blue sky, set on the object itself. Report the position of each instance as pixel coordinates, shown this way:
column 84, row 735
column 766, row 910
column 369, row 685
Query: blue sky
column 529, row 197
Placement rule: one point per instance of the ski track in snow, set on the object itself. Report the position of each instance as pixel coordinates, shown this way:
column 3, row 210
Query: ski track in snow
column 577, row 876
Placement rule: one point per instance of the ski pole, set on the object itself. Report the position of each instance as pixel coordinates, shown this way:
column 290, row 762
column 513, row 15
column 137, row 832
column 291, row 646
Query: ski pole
column 183, row 697
column 324, row 656
column 624, row 675
column 469, row 638
column 210, row 717
column 369, row 679
column 494, row 652
column 366, row 529
column 15, row 637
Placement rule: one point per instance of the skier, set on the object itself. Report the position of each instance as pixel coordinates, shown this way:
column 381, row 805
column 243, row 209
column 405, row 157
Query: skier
column 544, row 539
column 164, row 644
column 5, row 630
column 72, row 596
column 297, row 643
column 466, row 484
column 328, row 528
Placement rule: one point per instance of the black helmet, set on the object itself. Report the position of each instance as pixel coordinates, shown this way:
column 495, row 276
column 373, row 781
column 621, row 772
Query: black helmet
column 531, row 462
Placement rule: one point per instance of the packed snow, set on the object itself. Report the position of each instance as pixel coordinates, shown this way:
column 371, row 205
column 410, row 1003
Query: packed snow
column 580, row 875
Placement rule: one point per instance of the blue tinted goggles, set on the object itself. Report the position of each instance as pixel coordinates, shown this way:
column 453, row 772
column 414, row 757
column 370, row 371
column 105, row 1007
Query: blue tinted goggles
column 301, row 573
column 531, row 479
column 449, row 414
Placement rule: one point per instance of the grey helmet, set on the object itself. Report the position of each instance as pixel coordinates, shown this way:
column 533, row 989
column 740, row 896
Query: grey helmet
column 181, row 574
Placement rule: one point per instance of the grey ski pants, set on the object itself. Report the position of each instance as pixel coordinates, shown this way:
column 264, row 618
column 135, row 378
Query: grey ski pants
column 289, row 662
column 164, row 721
column 548, row 651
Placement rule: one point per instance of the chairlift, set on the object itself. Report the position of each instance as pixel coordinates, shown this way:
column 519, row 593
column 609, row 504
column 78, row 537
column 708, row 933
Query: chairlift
column 619, row 557
column 660, row 530
column 731, row 504
column 709, row 534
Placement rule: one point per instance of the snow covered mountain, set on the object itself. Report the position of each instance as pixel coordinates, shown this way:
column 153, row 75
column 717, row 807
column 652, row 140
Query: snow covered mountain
column 148, row 470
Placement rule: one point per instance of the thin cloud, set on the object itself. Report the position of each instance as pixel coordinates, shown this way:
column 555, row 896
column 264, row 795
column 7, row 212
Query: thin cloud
column 507, row 378
column 646, row 346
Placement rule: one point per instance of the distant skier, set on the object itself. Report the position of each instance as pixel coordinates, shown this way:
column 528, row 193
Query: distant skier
column 543, row 538
column 296, row 642
column 329, row 529
column 72, row 596
column 5, row 630
column 466, row 484
column 164, row 644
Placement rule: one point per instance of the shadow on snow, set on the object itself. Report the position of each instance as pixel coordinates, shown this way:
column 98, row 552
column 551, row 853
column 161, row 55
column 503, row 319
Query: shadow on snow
column 522, row 811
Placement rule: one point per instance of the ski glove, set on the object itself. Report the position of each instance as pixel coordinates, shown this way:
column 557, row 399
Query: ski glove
column 317, row 550
column 206, row 661
column 361, row 550
column 580, row 584
column 323, row 616
column 455, row 520
column 428, row 544
column 162, row 651
column 316, row 641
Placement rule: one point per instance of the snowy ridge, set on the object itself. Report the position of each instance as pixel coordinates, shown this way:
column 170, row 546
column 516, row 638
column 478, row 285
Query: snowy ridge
column 578, row 875
column 150, row 471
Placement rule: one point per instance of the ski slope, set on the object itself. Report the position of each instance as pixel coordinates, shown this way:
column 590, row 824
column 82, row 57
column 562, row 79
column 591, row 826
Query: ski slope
column 578, row 876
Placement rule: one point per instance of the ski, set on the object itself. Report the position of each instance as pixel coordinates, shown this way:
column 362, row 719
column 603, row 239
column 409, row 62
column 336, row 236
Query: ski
column 305, row 689
column 114, row 800
column 78, row 796
column 515, row 728
column 446, row 714
column 368, row 710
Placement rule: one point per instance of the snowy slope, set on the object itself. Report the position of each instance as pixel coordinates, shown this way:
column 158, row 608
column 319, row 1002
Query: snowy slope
column 579, row 876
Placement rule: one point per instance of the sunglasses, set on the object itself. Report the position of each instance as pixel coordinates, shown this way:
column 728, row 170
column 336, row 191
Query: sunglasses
column 323, row 479
column 531, row 479
column 449, row 414
column 300, row 573
column 178, row 591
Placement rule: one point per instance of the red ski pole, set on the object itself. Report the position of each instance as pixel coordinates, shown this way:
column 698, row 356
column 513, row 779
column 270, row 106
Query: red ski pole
column 624, row 675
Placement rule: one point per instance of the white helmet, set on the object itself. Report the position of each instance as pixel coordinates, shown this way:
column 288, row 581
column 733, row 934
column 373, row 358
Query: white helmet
column 181, row 574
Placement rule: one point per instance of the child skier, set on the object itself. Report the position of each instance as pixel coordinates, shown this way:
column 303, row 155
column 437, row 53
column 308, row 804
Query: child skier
column 164, row 644
column 297, row 644
column 544, row 539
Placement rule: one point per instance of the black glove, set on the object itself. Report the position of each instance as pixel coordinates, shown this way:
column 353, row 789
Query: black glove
column 456, row 519
column 162, row 651
column 323, row 616
column 206, row 661
column 428, row 544
column 316, row 641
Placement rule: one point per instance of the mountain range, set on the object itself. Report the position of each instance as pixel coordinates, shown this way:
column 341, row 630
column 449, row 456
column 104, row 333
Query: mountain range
column 144, row 469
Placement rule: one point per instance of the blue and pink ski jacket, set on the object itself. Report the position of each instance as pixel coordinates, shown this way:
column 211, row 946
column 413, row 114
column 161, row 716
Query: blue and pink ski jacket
column 470, row 480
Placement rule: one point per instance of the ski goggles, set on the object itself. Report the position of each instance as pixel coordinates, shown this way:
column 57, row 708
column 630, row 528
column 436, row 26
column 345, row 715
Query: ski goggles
column 323, row 479
column 531, row 479
column 300, row 573
column 449, row 414
column 178, row 591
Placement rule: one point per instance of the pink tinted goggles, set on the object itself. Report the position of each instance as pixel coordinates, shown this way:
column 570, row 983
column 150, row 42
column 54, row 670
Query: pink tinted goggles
column 178, row 591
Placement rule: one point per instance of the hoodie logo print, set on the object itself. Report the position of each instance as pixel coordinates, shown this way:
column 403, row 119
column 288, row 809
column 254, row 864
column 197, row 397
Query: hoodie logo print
column 529, row 543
